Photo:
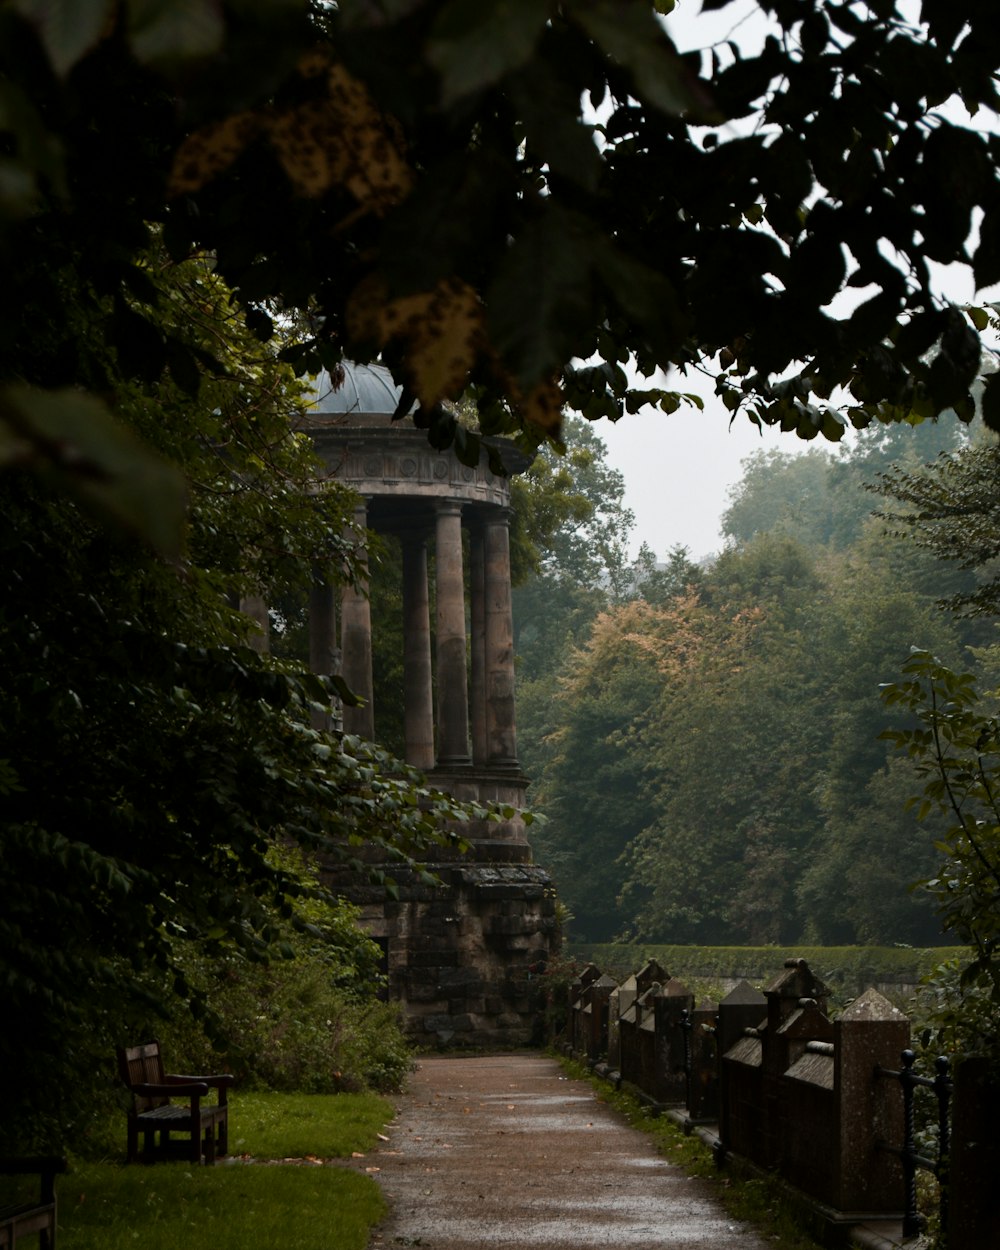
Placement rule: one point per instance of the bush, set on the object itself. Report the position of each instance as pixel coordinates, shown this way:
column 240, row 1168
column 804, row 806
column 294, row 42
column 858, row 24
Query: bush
column 306, row 1018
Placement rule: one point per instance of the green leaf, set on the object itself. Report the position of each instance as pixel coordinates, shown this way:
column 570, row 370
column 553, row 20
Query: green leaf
column 167, row 33
column 68, row 29
column 631, row 35
column 991, row 402
column 183, row 367
column 475, row 43
column 647, row 297
column 76, row 436
column 552, row 259
column 38, row 152
column 979, row 317
column 547, row 106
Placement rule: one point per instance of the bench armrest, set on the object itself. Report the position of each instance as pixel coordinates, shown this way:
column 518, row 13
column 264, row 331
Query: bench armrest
column 36, row 1165
column 221, row 1081
column 186, row 1086
column 45, row 1167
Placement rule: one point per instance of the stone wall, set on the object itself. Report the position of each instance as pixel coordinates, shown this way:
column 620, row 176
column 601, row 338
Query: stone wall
column 463, row 958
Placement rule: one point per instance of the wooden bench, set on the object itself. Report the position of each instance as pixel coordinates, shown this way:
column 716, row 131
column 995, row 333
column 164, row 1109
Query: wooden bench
column 153, row 1111
column 24, row 1219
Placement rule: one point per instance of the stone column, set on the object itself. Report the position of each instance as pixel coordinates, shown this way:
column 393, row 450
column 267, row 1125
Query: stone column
column 255, row 607
column 452, row 683
column 356, row 645
column 477, row 614
column 501, row 743
column 418, row 703
column 323, row 657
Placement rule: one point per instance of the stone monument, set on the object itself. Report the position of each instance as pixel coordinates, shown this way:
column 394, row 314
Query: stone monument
column 460, row 957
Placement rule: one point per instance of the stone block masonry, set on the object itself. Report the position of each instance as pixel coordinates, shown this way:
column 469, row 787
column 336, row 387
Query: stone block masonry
column 463, row 960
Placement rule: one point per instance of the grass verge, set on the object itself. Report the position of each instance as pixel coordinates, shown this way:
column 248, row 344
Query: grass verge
column 234, row 1207
column 295, row 1202
column 758, row 1202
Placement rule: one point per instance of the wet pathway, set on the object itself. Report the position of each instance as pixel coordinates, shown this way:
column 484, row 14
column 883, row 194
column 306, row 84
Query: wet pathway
column 505, row 1151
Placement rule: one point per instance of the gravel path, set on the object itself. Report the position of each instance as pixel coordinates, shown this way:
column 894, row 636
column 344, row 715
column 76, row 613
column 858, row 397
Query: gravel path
column 505, row 1151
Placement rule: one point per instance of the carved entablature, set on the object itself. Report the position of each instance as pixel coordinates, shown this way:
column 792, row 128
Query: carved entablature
column 382, row 459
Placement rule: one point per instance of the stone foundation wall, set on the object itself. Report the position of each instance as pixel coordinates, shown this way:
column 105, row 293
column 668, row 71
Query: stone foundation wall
column 463, row 958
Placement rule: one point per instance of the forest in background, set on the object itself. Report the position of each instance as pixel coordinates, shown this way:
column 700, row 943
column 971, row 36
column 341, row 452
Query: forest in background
column 704, row 740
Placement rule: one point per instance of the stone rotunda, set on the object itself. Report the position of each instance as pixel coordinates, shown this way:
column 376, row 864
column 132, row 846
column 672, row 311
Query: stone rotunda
column 460, row 957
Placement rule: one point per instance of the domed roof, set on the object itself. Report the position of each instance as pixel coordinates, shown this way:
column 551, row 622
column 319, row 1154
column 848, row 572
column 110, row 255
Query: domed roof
column 365, row 389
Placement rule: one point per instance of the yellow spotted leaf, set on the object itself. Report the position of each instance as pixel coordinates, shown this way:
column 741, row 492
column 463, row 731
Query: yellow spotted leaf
column 343, row 140
column 306, row 143
column 206, row 153
column 441, row 330
column 314, row 62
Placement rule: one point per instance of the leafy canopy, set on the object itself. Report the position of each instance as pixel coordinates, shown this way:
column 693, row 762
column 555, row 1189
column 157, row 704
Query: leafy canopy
column 489, row 194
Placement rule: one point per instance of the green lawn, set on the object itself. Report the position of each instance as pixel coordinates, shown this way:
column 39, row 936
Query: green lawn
column 239, row 1204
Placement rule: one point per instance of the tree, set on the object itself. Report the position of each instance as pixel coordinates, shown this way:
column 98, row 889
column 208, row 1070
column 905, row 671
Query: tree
column 953, row 743
column 950, row 509
column 781, row 492
column 152, row 760
column 591, row 785
column 571, row 506
column 489, row 195
column 572, row 528
column 733, row 746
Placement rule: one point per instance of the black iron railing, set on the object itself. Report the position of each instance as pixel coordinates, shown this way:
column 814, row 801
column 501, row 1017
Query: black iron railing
column 912, row 1160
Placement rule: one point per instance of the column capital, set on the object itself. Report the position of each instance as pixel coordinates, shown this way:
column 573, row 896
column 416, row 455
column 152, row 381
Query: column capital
column 489, row 515
column 448, row 507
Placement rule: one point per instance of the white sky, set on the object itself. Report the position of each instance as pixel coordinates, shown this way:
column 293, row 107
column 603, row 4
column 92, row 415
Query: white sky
column 678, row 470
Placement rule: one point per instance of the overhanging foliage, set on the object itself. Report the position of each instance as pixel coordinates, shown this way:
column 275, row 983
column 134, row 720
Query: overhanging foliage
column 490, row 193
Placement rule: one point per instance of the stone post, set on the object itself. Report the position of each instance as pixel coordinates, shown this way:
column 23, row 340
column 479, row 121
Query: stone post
column 670, row 1079
column 477, row 615
column 742, row 1008
column 452, row 682
column 973, row 1211
column 600, row 994
column 418, row 702
column 871, row 1032
column 356, row 644
column 740, row 1068
column 703, row 1093
column 501, row 744
column 323, row 657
